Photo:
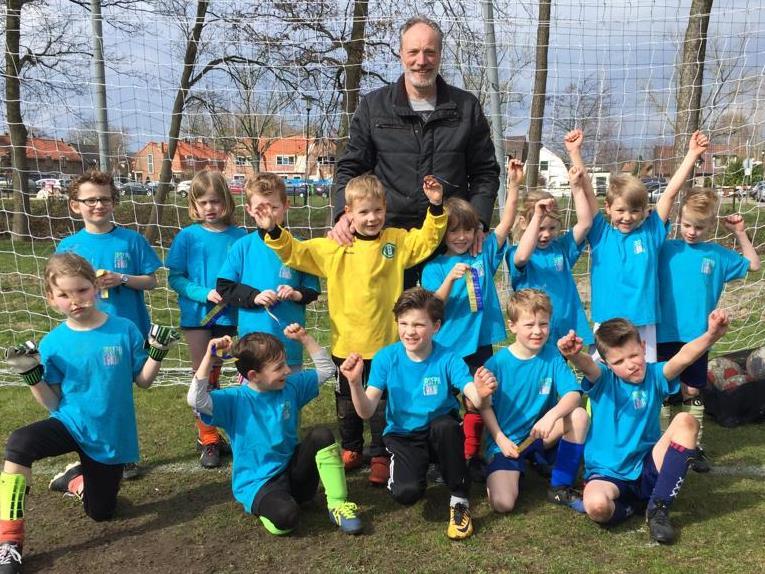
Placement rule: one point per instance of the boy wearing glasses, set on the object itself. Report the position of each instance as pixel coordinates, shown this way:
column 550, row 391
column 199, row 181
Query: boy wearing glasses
column 124, row 261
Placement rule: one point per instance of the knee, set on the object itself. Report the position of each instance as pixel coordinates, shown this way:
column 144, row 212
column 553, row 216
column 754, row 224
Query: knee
column 686, row 422
column 285, row 516
column 502, row 504
column 579, row 419
column 598, row 508
column 18, row 447
column 407, row 494
column 322, row 437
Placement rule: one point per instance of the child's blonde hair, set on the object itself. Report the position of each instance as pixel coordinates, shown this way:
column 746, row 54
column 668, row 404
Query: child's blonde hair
column 366, row 186
column 526, row 212
column 462, row 215
column 211, row 180
column 531, row 301
column 629, row 188
column 699, row 205
column 266, row 184
column 67, row 264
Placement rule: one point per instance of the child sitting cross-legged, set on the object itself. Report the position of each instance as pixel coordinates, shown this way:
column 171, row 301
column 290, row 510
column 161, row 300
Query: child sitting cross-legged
column 274, row 471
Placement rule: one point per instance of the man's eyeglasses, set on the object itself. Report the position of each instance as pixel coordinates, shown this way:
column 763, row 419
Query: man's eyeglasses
column 92, row 201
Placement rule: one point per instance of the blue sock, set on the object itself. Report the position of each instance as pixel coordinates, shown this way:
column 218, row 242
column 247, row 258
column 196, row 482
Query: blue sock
column 621, row 513
column 672, row 474
column 566, row 463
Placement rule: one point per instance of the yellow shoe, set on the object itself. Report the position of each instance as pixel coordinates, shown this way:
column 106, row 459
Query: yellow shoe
column 460, row 523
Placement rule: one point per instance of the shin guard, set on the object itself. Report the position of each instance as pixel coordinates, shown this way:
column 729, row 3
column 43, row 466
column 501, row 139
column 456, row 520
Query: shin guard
column 332, row 475
column 695, row 407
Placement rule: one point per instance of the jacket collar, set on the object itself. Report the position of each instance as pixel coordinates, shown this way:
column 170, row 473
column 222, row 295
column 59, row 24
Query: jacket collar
column 401, row 101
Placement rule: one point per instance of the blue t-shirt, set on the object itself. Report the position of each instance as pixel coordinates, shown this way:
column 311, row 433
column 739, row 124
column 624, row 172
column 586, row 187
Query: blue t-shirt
column 252, row 262
column 195, row 257
column 95, row 370
column 463, row 330
column 692, row 278
column 418, row 392
column 551, row 270
column 625, row 421
column 624, row 274
column 120, row 251
column 263, row 429
column 526, row 390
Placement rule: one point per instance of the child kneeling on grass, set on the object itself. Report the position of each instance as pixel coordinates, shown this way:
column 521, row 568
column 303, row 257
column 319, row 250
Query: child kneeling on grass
column 83, row 375
column 628, row 462
column 273, row 471
column 421, row 411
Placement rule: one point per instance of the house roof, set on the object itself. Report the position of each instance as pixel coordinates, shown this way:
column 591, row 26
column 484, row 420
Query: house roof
column 42, row 148
column 196, row 149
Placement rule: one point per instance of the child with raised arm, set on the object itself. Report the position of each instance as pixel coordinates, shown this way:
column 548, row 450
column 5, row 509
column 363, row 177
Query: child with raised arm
column 269, row 294
column 628, row 463
column 363, row 282
column 692, row 275
column 194, row 260
column 544, row 259
column 83, row 375
column 274, row 470
column 422, row 412
column 537, row 396
column 631, row 244
column 465, row 282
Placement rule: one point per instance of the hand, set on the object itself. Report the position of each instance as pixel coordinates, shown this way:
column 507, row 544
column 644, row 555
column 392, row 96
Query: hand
column 543, row 427
column 485, row 382
column 264, row 216
column 718, row 323
column 515, row 172
column 266, row 298
column 458, row 271
column 573, row 141
column 24, row 360
column 433, row 189
column 295, row 332
column 570, row 345
column 544, row 207
column 734, row 223
column 353, row 368
column 508, row 447
column 220, row 347
column 107, row 279
column 575, row 176
column 342, row 232
column 477, row 246
column 287, row 293
column 698, row 144
column 160, row 341
column 214, row 297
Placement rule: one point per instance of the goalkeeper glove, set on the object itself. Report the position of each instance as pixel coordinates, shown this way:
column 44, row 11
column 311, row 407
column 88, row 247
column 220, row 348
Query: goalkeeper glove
column 25, row 360
column 160, row 341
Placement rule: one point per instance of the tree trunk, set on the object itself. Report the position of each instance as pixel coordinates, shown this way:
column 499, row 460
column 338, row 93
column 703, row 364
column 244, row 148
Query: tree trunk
column 354, row 62
column 166, row 173
column 538, row 98
column 16, row 128
column 690, row 76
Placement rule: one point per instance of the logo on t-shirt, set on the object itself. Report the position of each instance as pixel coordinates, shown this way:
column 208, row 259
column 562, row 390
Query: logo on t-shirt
column 639, row 400
column 545, row 386
column 388, row 250
column 430, row 386
column 478, row 266
column 121, row 259
column 285, row 272
column 707, row 266
column 558, row 262
column 285, row 411
column 637, row 247
column 111, row 355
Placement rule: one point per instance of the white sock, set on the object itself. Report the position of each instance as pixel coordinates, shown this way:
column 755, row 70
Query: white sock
column 455, row 500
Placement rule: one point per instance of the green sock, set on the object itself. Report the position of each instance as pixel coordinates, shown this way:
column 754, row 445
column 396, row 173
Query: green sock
column 695, row 407
column 271, row 527
column 13, row 489
column 332, row 475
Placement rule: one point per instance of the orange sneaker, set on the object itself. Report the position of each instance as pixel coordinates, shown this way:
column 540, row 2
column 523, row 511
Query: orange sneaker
column 379, row 470
column 352, row 459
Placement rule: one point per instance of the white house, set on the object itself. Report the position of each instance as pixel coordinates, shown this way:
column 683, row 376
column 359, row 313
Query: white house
column 555, row 174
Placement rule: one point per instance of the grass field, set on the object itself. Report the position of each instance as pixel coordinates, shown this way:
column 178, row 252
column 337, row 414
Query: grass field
column 178, row 518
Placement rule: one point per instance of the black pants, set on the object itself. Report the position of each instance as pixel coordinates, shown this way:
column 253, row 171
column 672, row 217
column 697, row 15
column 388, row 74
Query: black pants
column 280, row 498
column 50, row 437
column 443, row 442
column 351, row 424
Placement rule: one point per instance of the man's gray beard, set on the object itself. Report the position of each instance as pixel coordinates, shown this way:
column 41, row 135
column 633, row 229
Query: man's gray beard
column 417, row 83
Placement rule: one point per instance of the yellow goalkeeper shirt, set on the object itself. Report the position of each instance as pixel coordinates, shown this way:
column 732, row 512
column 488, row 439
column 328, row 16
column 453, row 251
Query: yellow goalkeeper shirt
column 363, row 280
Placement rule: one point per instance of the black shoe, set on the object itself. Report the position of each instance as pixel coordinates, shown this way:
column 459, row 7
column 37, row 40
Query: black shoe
column 566, row 496
column 60, row 482
column 225, row 448
column 130, row 471
column 210, row 457
column 477, row 469
column 658, row 523
column 700, row 462
column 10, row 558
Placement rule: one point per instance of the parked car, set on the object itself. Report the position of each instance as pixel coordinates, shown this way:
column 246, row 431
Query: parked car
column 154, row 186
column 135, row 188
column 183, row 188
column 655, row 187
column 236, row 187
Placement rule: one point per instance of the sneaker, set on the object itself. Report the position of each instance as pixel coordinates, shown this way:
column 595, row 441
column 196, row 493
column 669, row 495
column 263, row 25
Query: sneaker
column 379, row 468
column 130, row 471
column 352, row 459
column 225, row 448
column 345, row 516
column 10, row 558
column 60, row 482
column 566, row 496
column 700, row 462
column 210, row 457
column 460, row 523
column 477, row 469
column 658, row 523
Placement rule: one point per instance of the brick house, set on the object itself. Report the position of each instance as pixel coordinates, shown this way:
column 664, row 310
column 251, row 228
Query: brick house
column 190, row 157
column 714, row 161
column 43, row 155
column 285, row 156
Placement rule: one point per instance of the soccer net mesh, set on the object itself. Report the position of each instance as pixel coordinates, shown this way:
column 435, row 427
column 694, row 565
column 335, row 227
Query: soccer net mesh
column 268, row 84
